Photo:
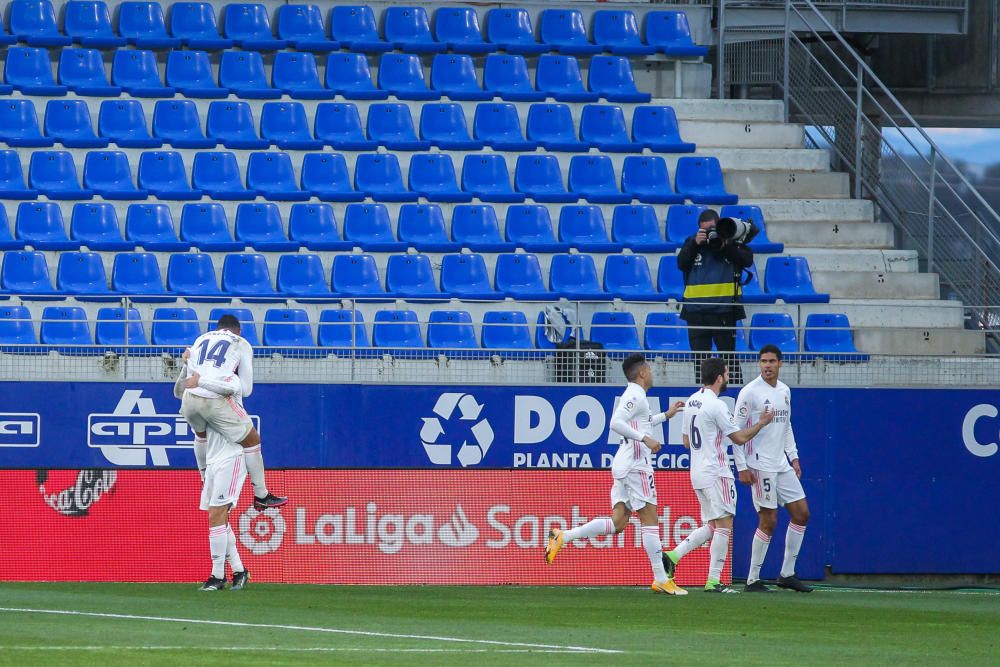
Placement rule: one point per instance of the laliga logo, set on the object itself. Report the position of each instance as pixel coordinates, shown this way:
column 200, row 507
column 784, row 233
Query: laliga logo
column 261, row 532
column 969, row 430
column 469, row 453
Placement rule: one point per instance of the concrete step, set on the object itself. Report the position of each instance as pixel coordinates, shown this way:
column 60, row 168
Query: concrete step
column 832, row 234
column 928, row 341
column 799, row 185
column 750, row 134
column 880, row 313
column 876, row 285
column 878, row 261
column 735, row 110
column 809, row 210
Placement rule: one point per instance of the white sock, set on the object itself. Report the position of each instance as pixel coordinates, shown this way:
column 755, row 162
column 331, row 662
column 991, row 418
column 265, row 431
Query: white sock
column 654, row 549
column 793, row 542
column 200, row 453
column 232, row 553
column 693, row 541
column 218, row 542
column 758, row 550
column 719, row 551
column 593, row 528
column 255, row 468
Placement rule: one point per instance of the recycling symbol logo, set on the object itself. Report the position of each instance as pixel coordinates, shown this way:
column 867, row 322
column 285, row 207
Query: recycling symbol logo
column 470, row 437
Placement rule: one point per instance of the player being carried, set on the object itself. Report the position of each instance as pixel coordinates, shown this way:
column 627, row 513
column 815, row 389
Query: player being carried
column 763, row 464
column 706, row 422
column 633, row 489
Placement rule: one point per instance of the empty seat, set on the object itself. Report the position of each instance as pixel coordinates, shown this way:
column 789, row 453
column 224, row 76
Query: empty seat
column 336, row 331
column 559, row 77
column 530, row 227
column 682, row 222
column 108, row 174
column 575, row 277
column 700, row 180
column 196, row 24
column 379, row 177
column 539, row 177
column 338, row 125
column 66, row 329
column 507, row 76
column 444, row 126
column 421, row 226
column 302, row 27
column 348, row 75
column 645, row 177
column 368, row 225
column 790, row 279
column 17, row 334
column 519, row 276
column 242, row 72
column 136, row 73
column 356, row 276
column 124, row 122
column 142, row 24
column 465, row 277
column 498, row 126
column 178, row 123
column 325, row 175
column 565, row 31
column 82, row 275
column 760, row 243
column 206, row 226
column 774, row 329
column 296, row 75
column 432, row 176
column 27, row 274
column 163, row 174
column 615, row 331
column 34, row 22
column 249, row 27
column 752, row 290
column 176, row 328
column 29, row 70
column 627, row 277
column 477, row 228
column 510, row 29
column 655, row 128
column 669, row 279
column 259, row 226
column 669, row 33
column 152, row 227
column 485, row 175
column 302, row 277
column 355, row 28
column 248, row 327
column 618, row 32
column 454, row 76
column 138, row 275
column 246, row 275
column 552, row 126
column 315, row 226
column 409, row 29
column 593, row 178
column 53, row 174
column 190, row 72
column 82, row 71
column 218, row 175
column 411, row 276
column 458, row 27
column 88, row 22
column 666, row 332
column 583, row 227
column 19, row 125
column 285, row 125
column 232, row 125
column 402, row 75
column 40, row 225
column 637, row 227
column 603, row 125
column 288, row 329
column 122, row 330
column 831, row 333
column 96, row 226
column 451, row 330
column 68, row 122
column 7, row 241
column 391, row 125
column 611, row 78
column 399, row 331
column 192, row 275
column 506, row 330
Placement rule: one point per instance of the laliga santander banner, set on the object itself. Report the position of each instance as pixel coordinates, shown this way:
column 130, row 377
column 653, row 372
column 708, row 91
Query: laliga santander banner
column 339, row 527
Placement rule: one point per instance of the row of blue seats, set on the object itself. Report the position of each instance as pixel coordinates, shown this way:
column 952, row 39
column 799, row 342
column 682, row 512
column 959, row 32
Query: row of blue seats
column 190, row 73
column 366, row 226
column 302, row 277
column 377, row 176
column 344, row 331
column 338, row 126
column 353, row 27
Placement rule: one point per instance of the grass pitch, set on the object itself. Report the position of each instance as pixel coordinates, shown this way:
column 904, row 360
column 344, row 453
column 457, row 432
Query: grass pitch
column 159, row 624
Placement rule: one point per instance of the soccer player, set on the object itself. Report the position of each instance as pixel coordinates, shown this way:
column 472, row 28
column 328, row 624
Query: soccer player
column 706, row 422
column 763, row 464
column 633, row 489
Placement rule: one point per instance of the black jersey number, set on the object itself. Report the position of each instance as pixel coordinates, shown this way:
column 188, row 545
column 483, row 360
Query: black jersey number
column 695, row 435
column 217, row 355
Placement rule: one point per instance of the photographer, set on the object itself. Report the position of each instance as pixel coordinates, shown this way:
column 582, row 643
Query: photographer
column 712, row 261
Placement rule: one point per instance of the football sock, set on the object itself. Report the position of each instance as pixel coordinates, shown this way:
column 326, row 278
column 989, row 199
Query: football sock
column 793, row 542
column 218, row 541
column 654, row 549
column 200, row 452
column 758, row 550
column 719, row 551
column 232, row 553
column 693, row 541
column 255, row 468
column 593, row 528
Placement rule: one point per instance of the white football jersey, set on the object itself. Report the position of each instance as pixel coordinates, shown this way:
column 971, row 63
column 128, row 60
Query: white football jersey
column 219, row 448
column 771, row 450
column 632, row 421
column 707, row 423
column 219, row 356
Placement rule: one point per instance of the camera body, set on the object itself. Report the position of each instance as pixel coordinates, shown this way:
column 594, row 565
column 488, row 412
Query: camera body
column 731, row 229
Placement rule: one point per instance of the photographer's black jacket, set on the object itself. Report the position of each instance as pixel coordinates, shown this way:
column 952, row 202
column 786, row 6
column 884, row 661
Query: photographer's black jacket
column 712, row 281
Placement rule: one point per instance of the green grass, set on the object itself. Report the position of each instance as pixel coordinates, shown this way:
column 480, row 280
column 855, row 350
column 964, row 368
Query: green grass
column 828, row 626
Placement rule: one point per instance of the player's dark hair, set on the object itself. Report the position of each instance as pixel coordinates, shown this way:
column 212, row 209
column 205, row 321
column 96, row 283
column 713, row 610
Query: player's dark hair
column 708, row 215
column 631, row 366
column 770, row 348
column 229, row 322
column 711, row 369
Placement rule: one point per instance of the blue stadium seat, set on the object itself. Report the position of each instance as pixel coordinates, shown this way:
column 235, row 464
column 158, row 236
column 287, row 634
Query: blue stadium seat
column 66, row 329
column 17, row 333
column 82, row 71
column 40, row 225
column 636, row 227
column 96, row 227
column 68, row 122
column 454, row 76
column 627, row 277
column 593, row 178
column 402, row 76
column 666, row 332
column 354, row 26
column 302, row 27
column 53, row 174
column 7, row 241
column 206, row 227
column 242, row 72
column 163, row 174
column 421, row 226
column 645, row 177
column 575, row 277
column 700, row 180
column 410, row 276
column 507, row 76
column 790, row 279
column 398, row 331
column 530, row 227
column 565, row 31
column 458, row 27
column 348, row 75
column 583, row 227
column 29, row 70
column 190, row 72
column 109, row 175
column 356, row 276
column 498, row 126
column 775, row 329
column 519, row 276
column 476, row 227
column 248, row 327
column 82, row 275
column 88, row 22
column 315, row 227
column 325, row 175
column 510, row 29
column 559, row 77
column 761, row 243
column 19, row 125
column 34, row 23
column 603, row 126
column 618, row 32
column 682, row 222
column 138, row 275
column 432, row 176
column 302, row 278
column 670, row 33
column 136, row 73
column 752, row 290
column 669, row 279
column 259, row 226
column 338, row 125
column 196, row 24
column 246, row 275
column 142, row 24
column 336, row 331
column 655, row 128
column 218, row 175
column 192, row 275
column 444, row 126
column 368, row 226
column 452, row 330
column 26, row 273
column 552, row 126
column 485, row 175
column 124, row 122
column 539, row 177
column 409, row 29
column 152, row 227
column 177, row 123
column 287, row 330
column 249, row 27
column 465, row 277
column 285, row 125
column 378, row 176
column 296, row 75
column 830, row 334
column 5, row 37
column 175, row 328
column 506, row 330
column 391, row 125
column 232, row 124
column 615, row 331
column 611, row 78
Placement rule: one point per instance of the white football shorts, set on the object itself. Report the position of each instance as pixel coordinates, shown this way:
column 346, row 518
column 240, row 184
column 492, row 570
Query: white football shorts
column 223, row 483
column 224, row 415
column 717, row 500
column 636, row 490
column 776, row 488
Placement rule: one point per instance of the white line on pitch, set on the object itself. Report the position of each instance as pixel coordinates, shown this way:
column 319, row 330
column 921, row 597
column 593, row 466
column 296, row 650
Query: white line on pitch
column 276, row 649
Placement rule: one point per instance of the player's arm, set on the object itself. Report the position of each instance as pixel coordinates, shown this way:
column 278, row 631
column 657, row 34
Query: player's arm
column 791, row 451
column 743, row 407
column 620, row 423
column 179, row 384
column 245, row 369
column 750, row 432
column 686, row 431
column 661, row 417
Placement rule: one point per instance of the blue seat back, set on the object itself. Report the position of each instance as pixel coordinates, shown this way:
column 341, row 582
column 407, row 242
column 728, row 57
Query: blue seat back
column 137, row 273
column 247, row 22
column 174, row 327
column 443, row 122
column 529, row 223
column 300, row 22
column 242, row 70
column 563, row 26
column 16, row 329
column 669, row 279
column 121, row 119
column 338, row 120
column 615, row 331
column 472, row 223
column 682, row 222
column 258, row 223
column 506, row 330
column 497, row 121
column 95, row 223
column 287, row 327
column 356, row 274
column 603, row 122
column 11, row 172
column 407, row 24
column 390, row 122
column 591, row 173
column 118, row 326
column 666, row 332
column 192, row 273
column 616, row 28
column 162, row 170
column 82, row 67
column 300, row 274
column 53, row 170
column 18, row 119
column 457, row 25
column 655, row 123
column 151, row 223
column 506, row 73
column 33, row 17
column 81, row 273
column 485, row 172
column 327, row 171
column 39, row 221
column 230, row 121
column 611, row 74
column 465, row 273
column 788, row 275
column 698, row 174
column 141, row 19
column 400, row 71
column 519, row 271
column 509, row 25
column 216, row 170
column 647, row 174
column 432, row 172
column 573, row 273
column 348, row 72
column 635, row 224
column 422, row 223
column 135, row 69
column 193, row 20
column 396, row 328
column 87, row 18
column 668, row 28
column 582, row 224
column 828, row 332
column 775, row 329
column 628, row 272
column 410, row 273
column 66, row 326
column 453, row 72
column 204, row 223
column 190, row 69
column 550, row 122
column 107, row 170
column 378, row 172
column 270, row 170
column 294, row 71
column 68, row 119
column 559, row 74
column 246, row 273
column 312, row 222
column 25, row 272
column 28, row 66
column 350, row 23
column 336, row 330
column 538, row 172
column 248, row 328
column 451, row 330
column 367, row 223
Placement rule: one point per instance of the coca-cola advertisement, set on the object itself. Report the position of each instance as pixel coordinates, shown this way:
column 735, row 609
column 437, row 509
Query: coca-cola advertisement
column 339, row 527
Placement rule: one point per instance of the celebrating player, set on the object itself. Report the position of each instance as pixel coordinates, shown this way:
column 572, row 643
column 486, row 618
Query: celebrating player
column 633, row 489
column 706, row 421
column 763, row 465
